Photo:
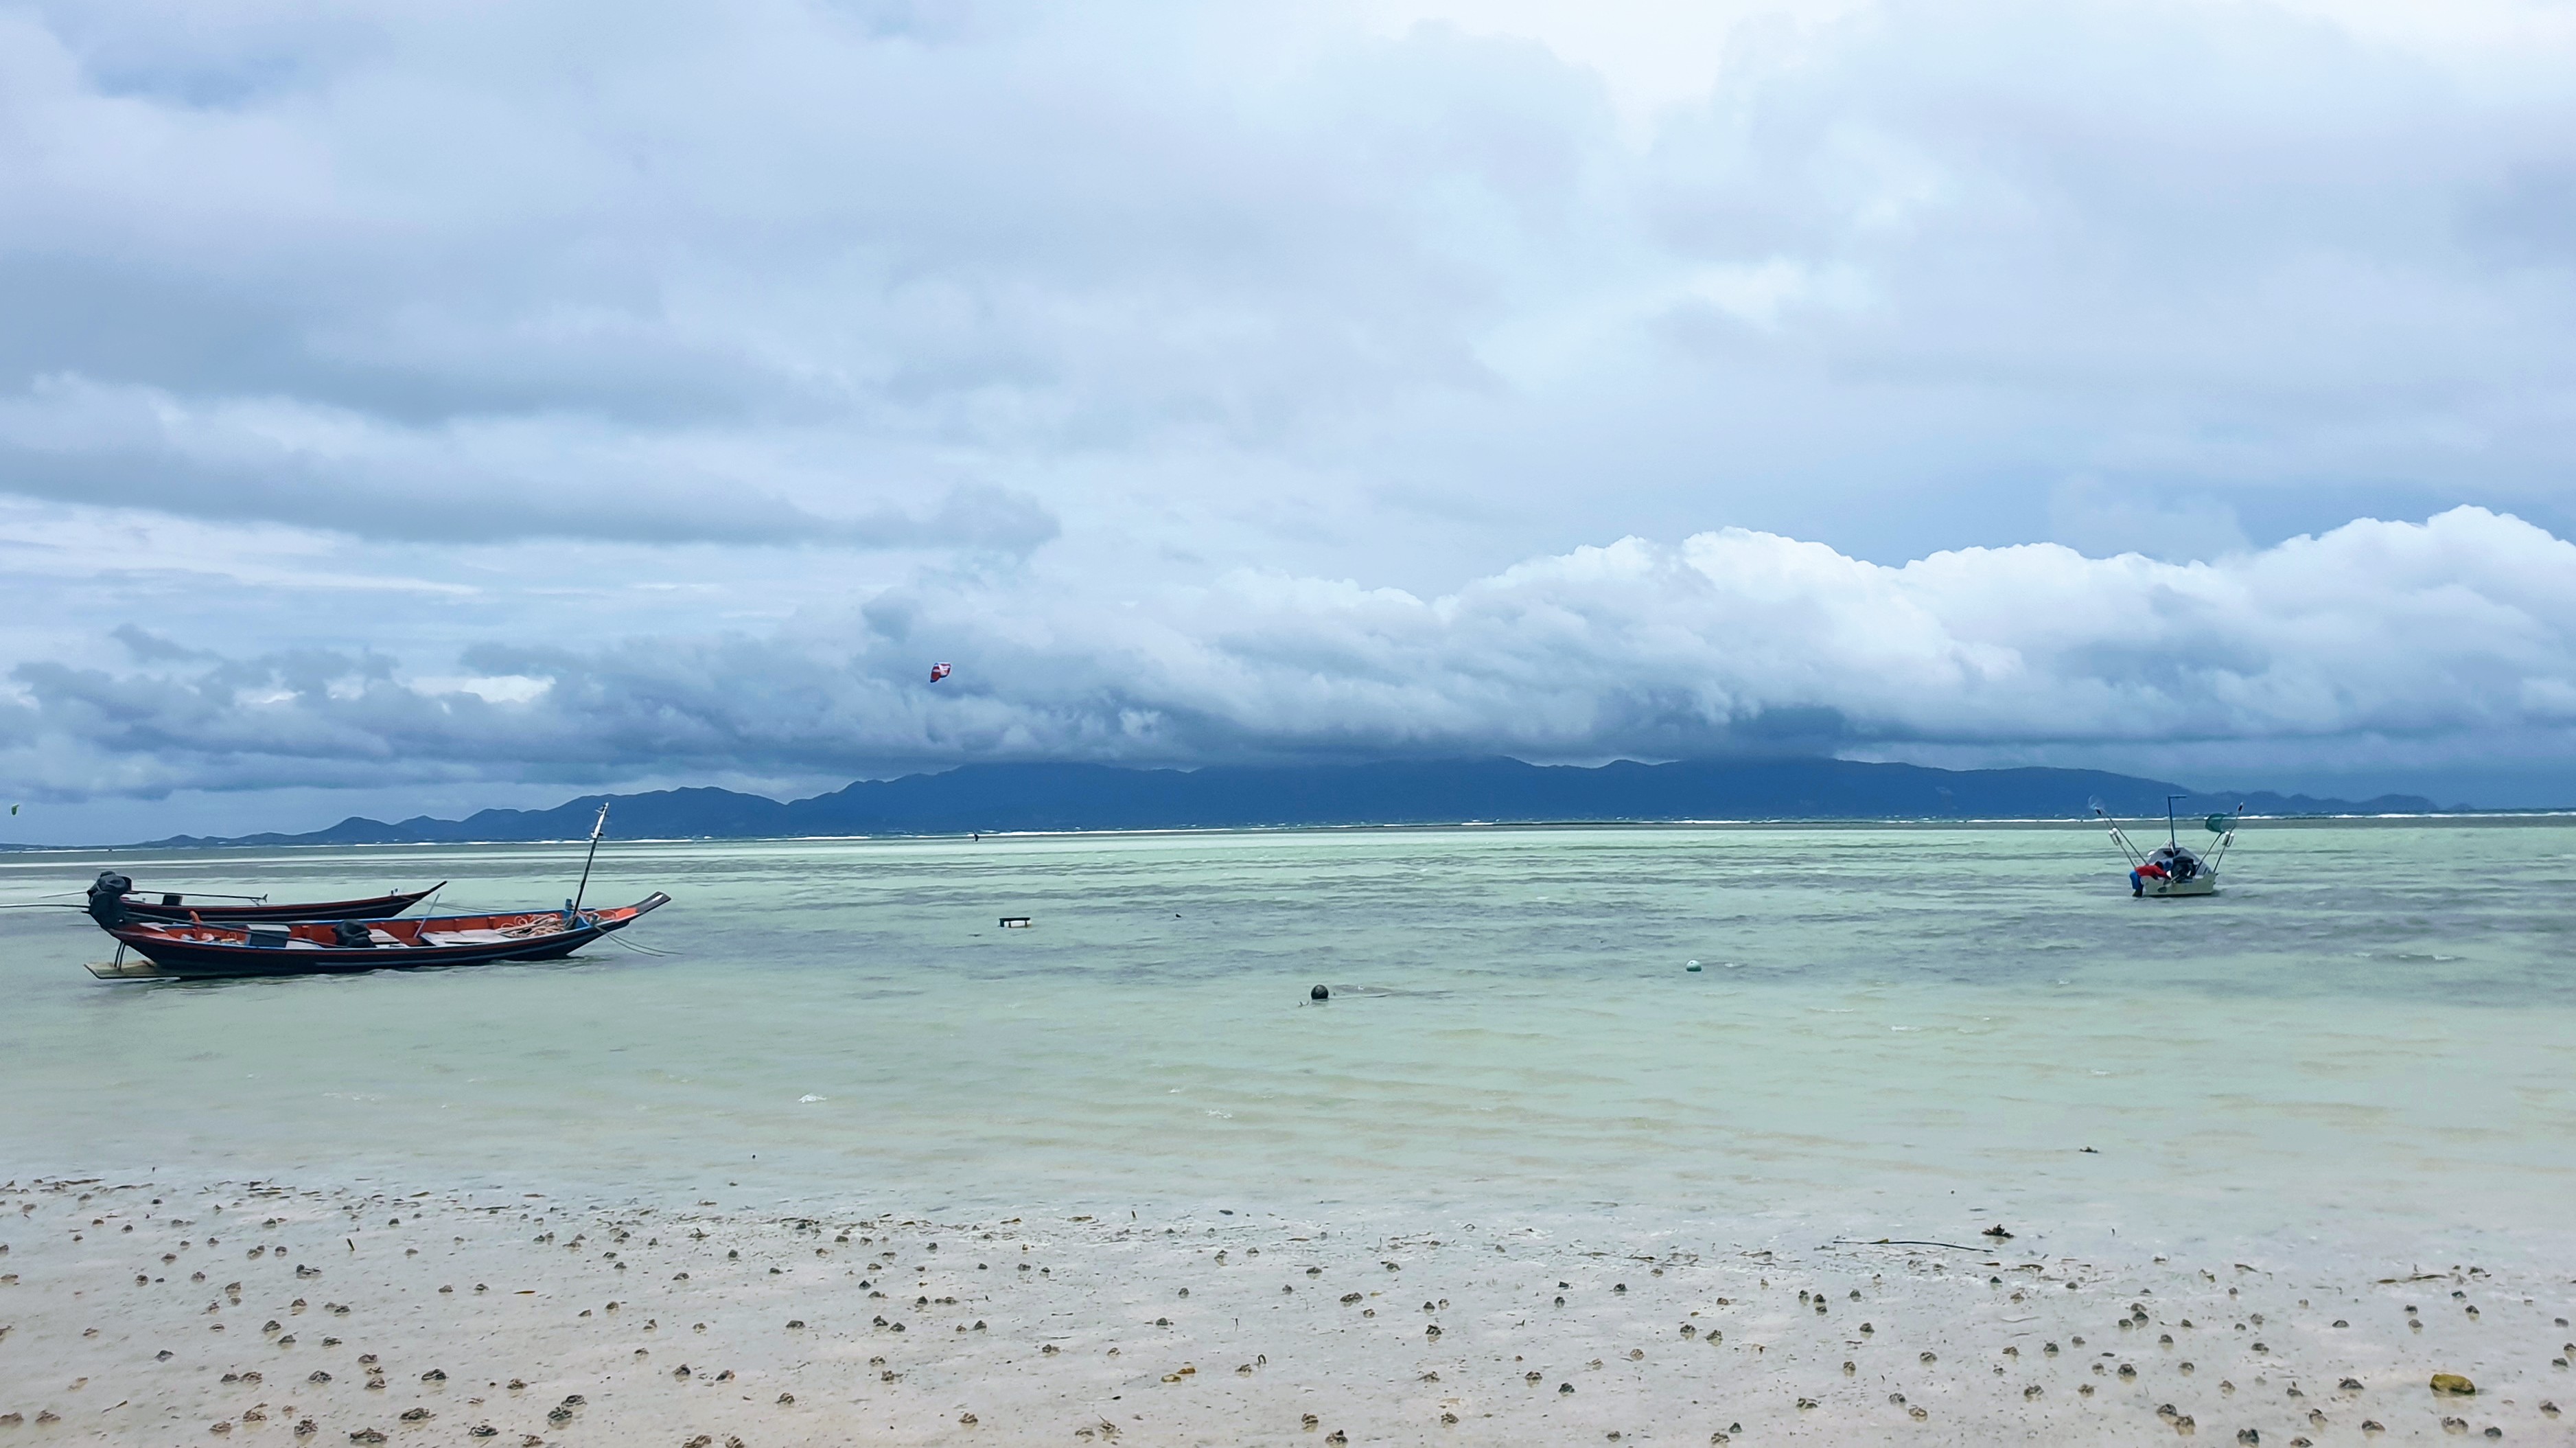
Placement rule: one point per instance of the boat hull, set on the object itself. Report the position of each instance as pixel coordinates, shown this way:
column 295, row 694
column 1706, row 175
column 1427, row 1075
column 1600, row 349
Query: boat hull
column 377, row 907
column 2201, row 884
column 207, row 951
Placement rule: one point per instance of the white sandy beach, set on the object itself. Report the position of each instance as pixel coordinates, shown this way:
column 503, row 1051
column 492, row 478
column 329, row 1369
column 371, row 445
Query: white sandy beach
column 147, row 1312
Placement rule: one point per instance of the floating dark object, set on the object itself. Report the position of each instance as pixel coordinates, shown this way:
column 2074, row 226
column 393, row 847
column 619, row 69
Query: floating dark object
column 1015, row 922
column 333, row 947
column 1997, row 1232
column 1319, row 993
column 112, row 902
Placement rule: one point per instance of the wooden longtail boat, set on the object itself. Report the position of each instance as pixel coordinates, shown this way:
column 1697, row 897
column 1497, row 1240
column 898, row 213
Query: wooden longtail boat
column 325, row 947
column 131, row 905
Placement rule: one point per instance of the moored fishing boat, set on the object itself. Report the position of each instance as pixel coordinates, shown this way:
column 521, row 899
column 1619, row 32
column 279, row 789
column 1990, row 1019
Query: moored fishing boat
column 2173, row 869
column 114, row 900
column 326, row 947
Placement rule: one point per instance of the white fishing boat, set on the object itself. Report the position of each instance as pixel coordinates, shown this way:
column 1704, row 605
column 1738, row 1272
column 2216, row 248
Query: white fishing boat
column 2174, row 868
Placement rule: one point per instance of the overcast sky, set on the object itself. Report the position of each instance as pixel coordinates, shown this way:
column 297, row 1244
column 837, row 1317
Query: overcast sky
column 413, row 408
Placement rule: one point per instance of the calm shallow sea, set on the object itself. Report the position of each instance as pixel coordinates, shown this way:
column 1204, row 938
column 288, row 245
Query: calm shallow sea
column 2366, row 1045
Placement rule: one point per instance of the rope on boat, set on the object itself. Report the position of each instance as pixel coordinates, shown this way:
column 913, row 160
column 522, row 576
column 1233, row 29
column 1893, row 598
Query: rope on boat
column 616, row 939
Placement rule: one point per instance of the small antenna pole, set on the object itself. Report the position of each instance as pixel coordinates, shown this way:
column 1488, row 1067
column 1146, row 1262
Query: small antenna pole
column 598, row 827
column 2118, row 837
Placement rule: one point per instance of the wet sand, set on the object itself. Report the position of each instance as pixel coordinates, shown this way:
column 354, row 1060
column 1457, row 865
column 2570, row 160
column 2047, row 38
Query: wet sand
column 290, row 1314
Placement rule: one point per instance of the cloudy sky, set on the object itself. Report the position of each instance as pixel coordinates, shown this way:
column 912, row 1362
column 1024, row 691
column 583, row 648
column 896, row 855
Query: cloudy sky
column 418, row 407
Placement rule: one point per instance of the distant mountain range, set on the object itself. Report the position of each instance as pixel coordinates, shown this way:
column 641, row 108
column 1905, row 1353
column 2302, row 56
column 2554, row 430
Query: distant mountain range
column 1018, row 797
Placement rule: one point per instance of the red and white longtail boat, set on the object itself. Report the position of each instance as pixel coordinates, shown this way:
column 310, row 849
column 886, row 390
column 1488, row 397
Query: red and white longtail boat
column 327, row 947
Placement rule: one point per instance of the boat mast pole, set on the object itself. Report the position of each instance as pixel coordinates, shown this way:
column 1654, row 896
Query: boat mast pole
column 2227, row 840
column 598, row 827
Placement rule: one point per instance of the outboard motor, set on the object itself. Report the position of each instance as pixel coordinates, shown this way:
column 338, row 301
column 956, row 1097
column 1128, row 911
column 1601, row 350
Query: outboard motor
column 351, row 935
column 107, row 899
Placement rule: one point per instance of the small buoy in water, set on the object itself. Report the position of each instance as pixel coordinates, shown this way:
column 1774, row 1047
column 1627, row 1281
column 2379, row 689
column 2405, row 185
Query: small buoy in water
column 1693, row 966
column 1319, row 993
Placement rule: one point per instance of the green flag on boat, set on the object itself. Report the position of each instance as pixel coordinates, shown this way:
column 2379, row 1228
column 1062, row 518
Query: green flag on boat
column 2220, row 824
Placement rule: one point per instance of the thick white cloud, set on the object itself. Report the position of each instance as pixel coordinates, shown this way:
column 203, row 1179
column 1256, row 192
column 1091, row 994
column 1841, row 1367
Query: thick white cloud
column 712, row 359
column 2442, row 634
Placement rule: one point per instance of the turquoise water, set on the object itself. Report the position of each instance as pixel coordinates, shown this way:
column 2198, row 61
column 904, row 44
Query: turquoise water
column 2367, row 1043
